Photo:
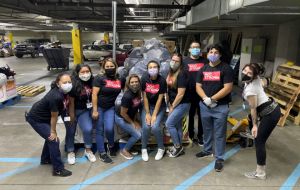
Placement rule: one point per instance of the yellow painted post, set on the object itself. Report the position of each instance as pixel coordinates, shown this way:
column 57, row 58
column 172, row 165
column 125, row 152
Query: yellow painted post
column 11, row 38
column 106, row 37
column 77, row 45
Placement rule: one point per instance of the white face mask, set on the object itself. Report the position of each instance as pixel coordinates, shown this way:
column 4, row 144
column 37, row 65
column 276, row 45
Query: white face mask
column 66, row 88
column 85, row 77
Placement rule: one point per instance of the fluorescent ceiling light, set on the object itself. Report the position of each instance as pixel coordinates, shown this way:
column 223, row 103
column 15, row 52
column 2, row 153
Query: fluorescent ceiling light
column 6, row 24
column 41, row 17
column 137, row 2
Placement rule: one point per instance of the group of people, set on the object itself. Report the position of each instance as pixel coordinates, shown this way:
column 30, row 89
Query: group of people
column 194, row 84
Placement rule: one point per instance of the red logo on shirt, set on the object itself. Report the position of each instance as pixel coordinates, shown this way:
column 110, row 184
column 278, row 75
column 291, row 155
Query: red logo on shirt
column 86, row 91
column 195, row 67
column 113, row 84
column 152, row 88
column 212, row 76
column 136, row 102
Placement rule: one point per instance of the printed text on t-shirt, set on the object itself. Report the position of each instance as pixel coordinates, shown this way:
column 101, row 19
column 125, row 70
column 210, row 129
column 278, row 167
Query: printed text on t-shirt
column 195, row 67
column 212, row 76
column 113, row 84
column 152, row 88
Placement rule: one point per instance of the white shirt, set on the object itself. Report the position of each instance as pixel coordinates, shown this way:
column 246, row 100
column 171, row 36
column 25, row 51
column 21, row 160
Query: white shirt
column 255, row 88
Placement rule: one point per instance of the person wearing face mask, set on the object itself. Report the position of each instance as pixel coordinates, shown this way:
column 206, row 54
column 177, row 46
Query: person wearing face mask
column 106, row 88
column 265, row 114
column 154, row 87
column 214, row 85
column 179, row 102
column 193, row 64
column 127, row 114
column 43, row 119
column 81, row 98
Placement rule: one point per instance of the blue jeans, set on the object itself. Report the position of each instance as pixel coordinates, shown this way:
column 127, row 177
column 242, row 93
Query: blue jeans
column 214, row 122
column 51, row 150
column 70, row 134
column 135, row 134
column 85, row 122
column 156, row 129
column 174, row 122
column 105, row 123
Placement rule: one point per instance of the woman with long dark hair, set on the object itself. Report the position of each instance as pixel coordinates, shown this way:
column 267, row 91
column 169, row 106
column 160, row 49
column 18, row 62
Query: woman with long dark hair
column 106, row 88
column 81, row 98
column 179, row 103
column 127, row 114
column 265, row 114
column 43, row 118
column 154, row 87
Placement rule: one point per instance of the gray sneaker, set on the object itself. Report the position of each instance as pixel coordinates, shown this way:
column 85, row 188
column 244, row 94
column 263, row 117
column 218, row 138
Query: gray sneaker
column 255, row 175
column 247, row 134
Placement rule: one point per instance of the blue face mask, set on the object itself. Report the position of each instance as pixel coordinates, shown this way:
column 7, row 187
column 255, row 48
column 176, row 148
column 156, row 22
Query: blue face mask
column 213, row 58
column 195, row 51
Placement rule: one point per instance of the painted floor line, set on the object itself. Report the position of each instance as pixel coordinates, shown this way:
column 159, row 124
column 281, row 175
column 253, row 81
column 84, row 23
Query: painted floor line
column 105, row 174
column 292, row 179
column 204, row 171
column 17, row 171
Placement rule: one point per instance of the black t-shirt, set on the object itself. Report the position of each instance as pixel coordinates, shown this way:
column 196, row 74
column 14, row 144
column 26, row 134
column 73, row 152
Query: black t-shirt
column 154, row 88
column 214, row 78
column 193, row 66
column 182, row 82
column 83, row 97
column 131, row 101
column 109, row 90
column 53, row 101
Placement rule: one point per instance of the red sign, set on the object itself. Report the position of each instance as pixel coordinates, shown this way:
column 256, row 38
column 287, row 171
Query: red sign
column 113, row 84
column 152, row 88
column 212, row 76
column 136, row 102
column 193, row 67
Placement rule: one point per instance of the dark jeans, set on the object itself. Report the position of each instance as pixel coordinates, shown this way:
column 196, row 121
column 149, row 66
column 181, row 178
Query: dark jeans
column 266, row 126
column 51, row 150
column 70, row 134
column 195, row 108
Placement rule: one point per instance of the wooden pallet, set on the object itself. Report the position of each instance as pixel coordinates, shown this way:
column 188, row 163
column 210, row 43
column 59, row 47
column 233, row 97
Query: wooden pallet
column 30, row 91
column 284, row 89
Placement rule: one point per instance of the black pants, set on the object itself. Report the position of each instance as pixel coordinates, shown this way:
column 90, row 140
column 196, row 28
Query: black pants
column 195, row 107
column 266, row 126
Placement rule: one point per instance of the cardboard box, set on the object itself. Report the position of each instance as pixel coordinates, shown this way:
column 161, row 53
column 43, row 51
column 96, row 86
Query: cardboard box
column 170, row 45
column 137, row 43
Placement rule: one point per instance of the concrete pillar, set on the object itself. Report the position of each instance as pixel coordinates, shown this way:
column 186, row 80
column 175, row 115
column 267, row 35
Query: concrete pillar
column 77, row 45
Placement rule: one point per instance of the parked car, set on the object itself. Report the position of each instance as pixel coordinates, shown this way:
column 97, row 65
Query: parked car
column 30, row 47
column 99, row 52
column 126, row 46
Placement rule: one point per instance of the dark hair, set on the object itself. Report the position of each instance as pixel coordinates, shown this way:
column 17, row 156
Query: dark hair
column 58, row 77
column 257, row 69
column 217, row 47
column 78, row 83
column 128, row 82
column 195, row 41
column 153, row 61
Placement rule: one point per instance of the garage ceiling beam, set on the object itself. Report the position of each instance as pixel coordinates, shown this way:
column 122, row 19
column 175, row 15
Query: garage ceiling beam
column 82, row 4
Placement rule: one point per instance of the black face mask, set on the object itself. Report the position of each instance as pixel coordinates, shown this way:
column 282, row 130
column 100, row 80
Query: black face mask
column 110, row 72
column 134, row 88
column 246, row 78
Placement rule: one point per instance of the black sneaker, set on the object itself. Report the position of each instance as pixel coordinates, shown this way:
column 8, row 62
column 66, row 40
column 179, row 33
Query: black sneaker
column 45, row 162
column 203, row 154
column 105, row 158
column 62, row 173
column 175, row 152
column 111, row 151
column 200, row 142
column 219, row 165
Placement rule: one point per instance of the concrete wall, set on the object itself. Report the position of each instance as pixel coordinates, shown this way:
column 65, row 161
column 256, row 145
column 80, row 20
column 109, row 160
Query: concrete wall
column 270, row 33
column 128, row 37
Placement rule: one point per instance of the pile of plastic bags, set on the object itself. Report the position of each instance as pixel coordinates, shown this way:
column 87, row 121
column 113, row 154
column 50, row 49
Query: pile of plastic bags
column 137, row 61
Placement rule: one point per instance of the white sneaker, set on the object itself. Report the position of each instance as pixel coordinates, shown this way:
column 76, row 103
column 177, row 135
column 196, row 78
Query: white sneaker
column 90, row 156
column 71, row 158
column 145, row 156
column 160, row 153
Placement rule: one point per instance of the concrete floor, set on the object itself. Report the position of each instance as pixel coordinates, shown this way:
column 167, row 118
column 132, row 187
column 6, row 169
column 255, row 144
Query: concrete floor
column 21, row 147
